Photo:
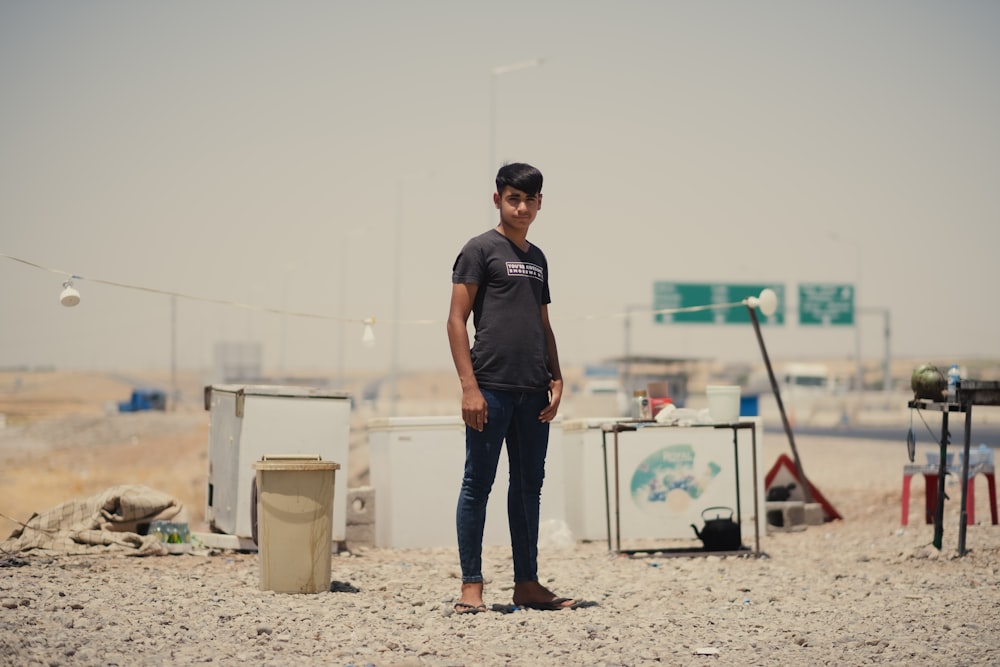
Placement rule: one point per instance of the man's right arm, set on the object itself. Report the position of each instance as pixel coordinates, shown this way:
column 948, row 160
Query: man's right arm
column 474, row 409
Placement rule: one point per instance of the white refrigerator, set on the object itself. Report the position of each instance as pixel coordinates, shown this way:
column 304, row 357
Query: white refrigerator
column 248, row 422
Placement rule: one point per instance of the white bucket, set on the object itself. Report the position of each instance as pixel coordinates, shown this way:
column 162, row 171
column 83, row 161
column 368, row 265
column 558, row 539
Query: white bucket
column 723, row 402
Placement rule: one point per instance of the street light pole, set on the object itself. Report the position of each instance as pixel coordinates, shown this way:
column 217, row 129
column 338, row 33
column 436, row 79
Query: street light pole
column 859, row 369
column 887, row 358
column 340, row 320
column 495, row 73
column 342, row 303
column 284, row 318
column 629, row 308
column 887, row 369
column 397, row 278
column 394, row 363
column 174, row 393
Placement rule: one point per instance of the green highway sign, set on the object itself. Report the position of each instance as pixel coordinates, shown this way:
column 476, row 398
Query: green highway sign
column 826, row 304
column 670, row 296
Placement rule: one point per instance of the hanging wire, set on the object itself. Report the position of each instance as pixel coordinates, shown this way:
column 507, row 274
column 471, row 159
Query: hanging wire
column 191, row 297
column 367, row 321
column 930, row 431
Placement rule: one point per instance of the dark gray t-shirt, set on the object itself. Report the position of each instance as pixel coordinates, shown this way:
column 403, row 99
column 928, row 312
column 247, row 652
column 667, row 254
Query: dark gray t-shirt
column 509, row 351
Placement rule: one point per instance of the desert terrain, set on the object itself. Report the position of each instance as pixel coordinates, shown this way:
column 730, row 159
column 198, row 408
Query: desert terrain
column 860, row 590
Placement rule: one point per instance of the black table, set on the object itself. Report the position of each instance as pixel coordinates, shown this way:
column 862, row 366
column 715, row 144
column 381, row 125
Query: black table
column 969, row 393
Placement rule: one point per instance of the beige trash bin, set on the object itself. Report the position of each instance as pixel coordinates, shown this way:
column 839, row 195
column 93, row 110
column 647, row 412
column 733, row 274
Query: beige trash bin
column 294, row 498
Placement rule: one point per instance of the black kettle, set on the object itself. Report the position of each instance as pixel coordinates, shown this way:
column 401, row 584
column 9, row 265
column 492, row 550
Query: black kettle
column 720, row 533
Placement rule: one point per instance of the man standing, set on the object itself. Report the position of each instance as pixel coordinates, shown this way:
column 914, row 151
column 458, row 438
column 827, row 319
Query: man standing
column 511, row 384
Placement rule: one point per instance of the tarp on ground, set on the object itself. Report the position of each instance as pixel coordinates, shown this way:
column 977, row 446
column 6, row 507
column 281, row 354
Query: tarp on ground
column 103, row 523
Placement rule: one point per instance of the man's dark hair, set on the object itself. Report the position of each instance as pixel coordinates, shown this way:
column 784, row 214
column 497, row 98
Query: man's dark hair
column 521, row 177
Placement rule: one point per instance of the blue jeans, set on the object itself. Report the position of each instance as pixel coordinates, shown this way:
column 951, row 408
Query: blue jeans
column 513, row 416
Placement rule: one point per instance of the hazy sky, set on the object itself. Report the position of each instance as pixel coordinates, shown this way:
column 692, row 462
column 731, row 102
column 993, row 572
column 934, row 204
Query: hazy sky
column 283, row 155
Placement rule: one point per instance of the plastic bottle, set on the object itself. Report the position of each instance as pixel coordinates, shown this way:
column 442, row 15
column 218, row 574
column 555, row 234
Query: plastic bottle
column 156, row 529
column 985, row 454
column 953, row 379
column 640, row 405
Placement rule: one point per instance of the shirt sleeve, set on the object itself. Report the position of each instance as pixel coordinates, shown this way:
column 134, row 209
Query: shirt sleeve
column 468, row 268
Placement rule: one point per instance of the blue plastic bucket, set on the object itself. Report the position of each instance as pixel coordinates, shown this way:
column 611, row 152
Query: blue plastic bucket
column 749, row 405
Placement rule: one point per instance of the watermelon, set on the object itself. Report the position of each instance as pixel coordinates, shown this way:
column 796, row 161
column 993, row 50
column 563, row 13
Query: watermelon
column 929, row 382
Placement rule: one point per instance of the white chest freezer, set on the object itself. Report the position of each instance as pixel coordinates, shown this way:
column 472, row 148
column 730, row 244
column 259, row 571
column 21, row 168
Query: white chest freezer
column 584, row 470
column 416, row 466
column 249, row 421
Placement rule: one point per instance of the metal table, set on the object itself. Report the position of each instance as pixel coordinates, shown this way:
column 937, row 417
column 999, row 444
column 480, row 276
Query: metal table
column 969, row 393
column 617, row 427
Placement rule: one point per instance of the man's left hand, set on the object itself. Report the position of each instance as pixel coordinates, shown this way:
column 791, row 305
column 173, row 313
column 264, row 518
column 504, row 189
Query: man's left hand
column 555, row 395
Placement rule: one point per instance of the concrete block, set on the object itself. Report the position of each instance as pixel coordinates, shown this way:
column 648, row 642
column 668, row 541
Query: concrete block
column 361, row 506
column 813, row 514
column 785, row 514
column 360, row 535
column 360, row 528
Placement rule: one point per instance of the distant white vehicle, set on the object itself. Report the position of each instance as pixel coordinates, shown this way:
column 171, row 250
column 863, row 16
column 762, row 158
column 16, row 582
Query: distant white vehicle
column 812, row 376
column 800, row 379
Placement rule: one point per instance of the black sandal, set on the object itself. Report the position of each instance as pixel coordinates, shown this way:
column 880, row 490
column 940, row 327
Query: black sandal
column 466, row 608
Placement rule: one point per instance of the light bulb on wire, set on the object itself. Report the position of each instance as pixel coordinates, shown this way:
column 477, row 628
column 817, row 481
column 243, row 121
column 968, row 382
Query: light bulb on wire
column 69, row 296
column 368, row 335
column 767, row 301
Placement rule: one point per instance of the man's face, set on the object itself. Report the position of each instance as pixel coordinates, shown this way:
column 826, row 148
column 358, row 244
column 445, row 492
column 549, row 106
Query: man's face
column 517, row 208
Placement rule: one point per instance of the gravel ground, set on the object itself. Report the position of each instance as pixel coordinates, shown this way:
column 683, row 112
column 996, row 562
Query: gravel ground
column 840, row 593
column 862, row 590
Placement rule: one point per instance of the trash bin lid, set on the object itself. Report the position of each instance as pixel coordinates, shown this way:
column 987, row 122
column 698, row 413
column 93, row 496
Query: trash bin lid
column 392, row 423
column 304, row 462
